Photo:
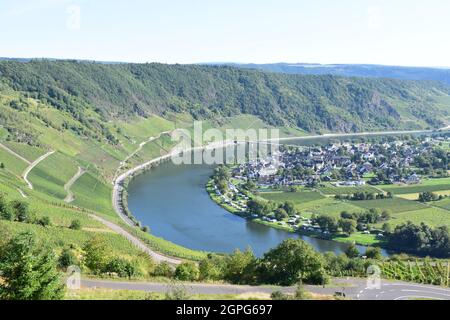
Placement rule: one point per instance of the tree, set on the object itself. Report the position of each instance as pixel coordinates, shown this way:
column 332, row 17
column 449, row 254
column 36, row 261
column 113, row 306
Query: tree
column 289, row 207
column 2, row 165
column 20, row 210
column 327, row 222
column 29, row 271
column 222, row 185
column 352, row 251
column 281, row 214
column 428, row 196
column 348, row 226
column 387, row 228
column 211, row 268
column 250, row 185
column 373, row 253
column 386, row 214
column 67, row 259
column 221, row 173
column 5, row 211
column 240, row 267
column 293, row 261
column 75, row 225
column 97, row 254
column 187, row 271
column 260, row 208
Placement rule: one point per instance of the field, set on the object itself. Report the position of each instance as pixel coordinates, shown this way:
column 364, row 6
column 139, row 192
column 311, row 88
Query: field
column 295, row 197
column 415, row 196
column 28, row 152
column 333, row 190
column 430, row 185
column 432, row 216
column 93, row 194
column 52, row 174
column 445, row 204
column 58, row 237
column 360, row 238
column 12, row 163
column 394, row 204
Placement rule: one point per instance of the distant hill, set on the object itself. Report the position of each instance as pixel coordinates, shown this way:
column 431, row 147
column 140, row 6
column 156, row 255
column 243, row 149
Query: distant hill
column 96, row 93
column 354, row 70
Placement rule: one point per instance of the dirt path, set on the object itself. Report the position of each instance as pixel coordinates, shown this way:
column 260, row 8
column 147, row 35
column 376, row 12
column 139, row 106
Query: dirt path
column 22, row 193
column 31, row 167
column 134, row 240
column 15, row 154
column 70, row 197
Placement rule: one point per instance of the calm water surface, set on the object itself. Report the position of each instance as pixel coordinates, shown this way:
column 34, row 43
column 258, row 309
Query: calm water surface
column 172, row 200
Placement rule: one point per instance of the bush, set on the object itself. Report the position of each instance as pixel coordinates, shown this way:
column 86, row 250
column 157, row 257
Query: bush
column 163, row 269
column 75, row 225
column 211, row 268
column 278, row 295
column 373, row 253
column 67, row 259
column 44, row 221
column 123, row 268
column 5, row 210
column 20, row 210
column 177, row 293
column 187, row 271
column 352, row 251
column 96, row 254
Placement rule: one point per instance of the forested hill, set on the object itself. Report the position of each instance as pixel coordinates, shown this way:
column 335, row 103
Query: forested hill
column 355, row 70
column 312, row 103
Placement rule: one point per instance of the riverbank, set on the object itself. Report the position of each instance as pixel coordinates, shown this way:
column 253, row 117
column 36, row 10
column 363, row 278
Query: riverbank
column 121, row 205
column 164, row 249
column 362, row 240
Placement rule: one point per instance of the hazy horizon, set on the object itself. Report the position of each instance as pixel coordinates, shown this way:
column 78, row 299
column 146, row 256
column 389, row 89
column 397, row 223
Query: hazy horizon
column 377, row 32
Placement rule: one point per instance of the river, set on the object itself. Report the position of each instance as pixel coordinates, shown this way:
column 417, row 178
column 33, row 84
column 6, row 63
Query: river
column 172, row 201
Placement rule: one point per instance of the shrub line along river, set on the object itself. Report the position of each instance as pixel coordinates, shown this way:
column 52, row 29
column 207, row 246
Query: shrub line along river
column 173, row 201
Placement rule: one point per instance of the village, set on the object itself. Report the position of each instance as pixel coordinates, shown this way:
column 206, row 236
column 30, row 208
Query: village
column 342, row 164
column 344, row 167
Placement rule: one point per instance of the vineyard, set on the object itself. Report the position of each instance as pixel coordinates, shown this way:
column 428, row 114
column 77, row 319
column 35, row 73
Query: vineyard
column 424, row 271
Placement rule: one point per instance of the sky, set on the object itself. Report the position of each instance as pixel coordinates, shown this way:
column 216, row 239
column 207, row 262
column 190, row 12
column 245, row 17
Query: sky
column 389, row 32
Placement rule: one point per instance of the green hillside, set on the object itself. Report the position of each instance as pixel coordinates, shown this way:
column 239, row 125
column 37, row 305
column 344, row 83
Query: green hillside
column 105, row 118
column 92, row 93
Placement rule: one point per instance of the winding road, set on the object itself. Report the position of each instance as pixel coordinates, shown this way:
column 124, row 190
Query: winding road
column 70, row 196
column 353, row 288
column 137, row 242
column 31, row 167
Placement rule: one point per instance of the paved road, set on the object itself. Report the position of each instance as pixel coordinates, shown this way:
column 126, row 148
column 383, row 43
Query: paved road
column 404, row 291
column 31, row 167
column 353, row 288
